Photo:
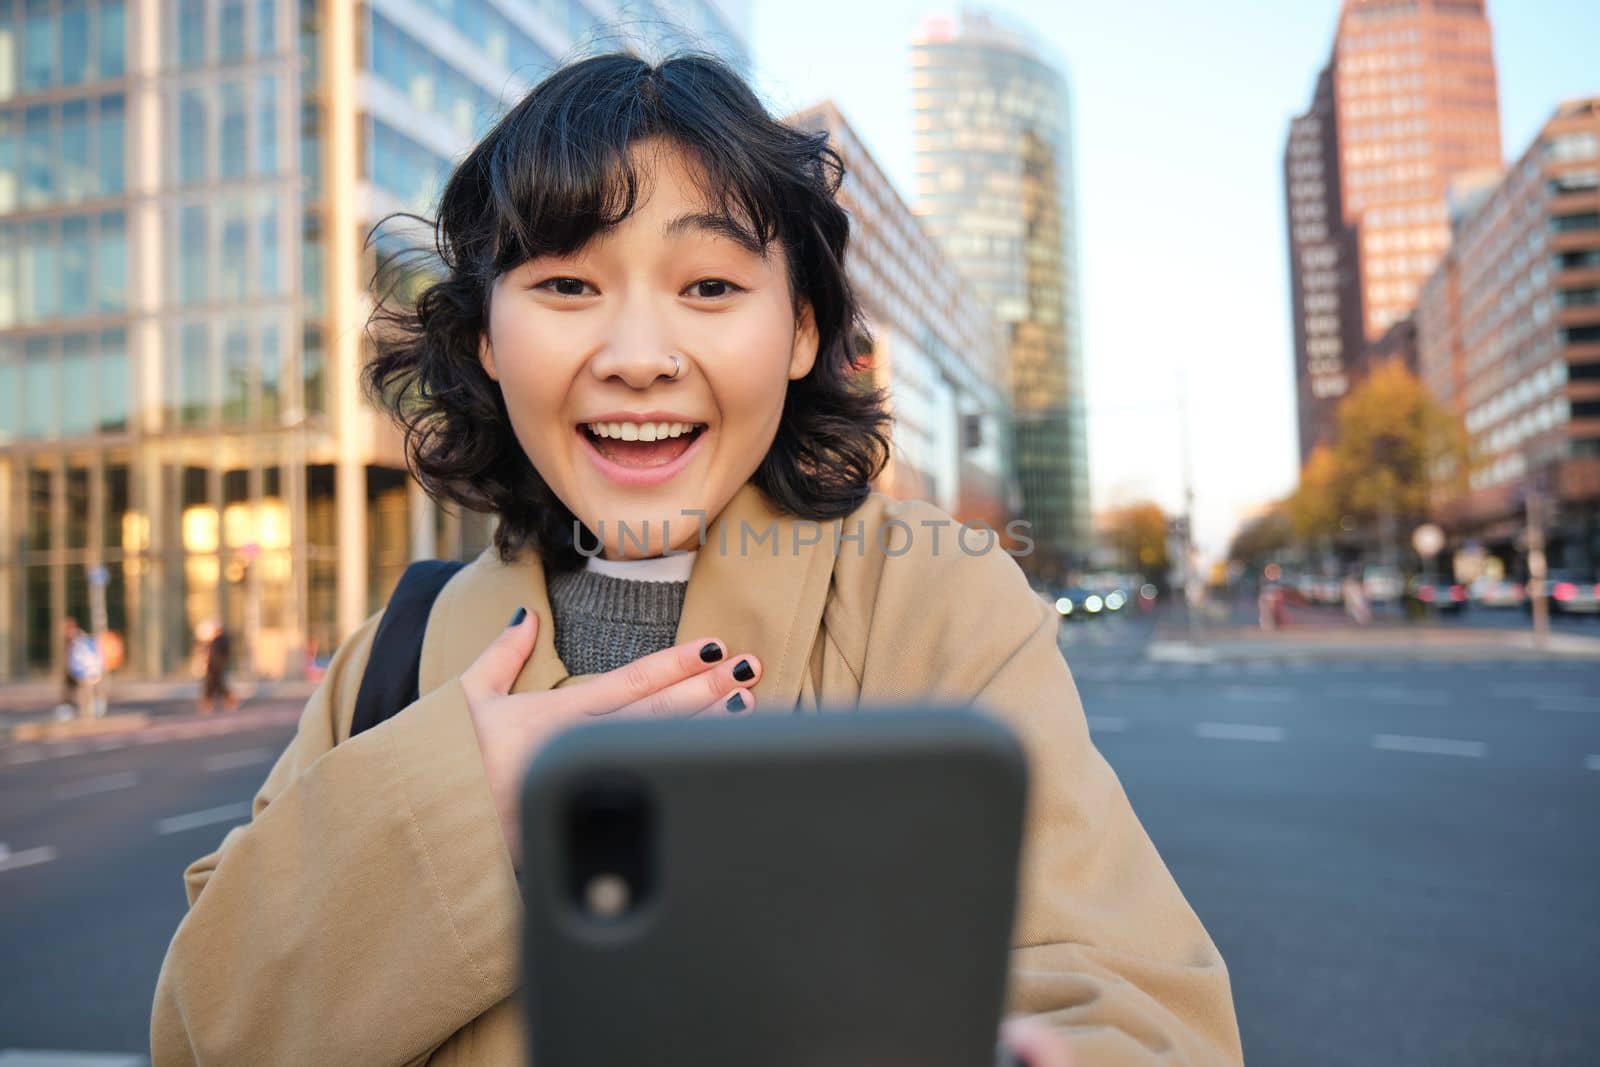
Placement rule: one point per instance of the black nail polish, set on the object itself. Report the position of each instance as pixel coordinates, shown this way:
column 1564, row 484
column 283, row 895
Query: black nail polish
column 736, row 702
column 710, row 652
column 516, row 620
column 743, row 672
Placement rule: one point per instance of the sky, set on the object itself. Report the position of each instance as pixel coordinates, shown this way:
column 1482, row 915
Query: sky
column 1180, row 111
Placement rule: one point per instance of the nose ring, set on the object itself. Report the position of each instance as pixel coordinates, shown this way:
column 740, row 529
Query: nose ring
column 677, row 367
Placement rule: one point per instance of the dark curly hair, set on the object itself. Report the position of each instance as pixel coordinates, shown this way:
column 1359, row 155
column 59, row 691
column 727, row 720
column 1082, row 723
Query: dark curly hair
column 556, row 171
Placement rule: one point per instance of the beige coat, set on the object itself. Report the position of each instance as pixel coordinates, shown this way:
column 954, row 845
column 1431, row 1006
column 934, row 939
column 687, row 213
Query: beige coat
column 368, row 913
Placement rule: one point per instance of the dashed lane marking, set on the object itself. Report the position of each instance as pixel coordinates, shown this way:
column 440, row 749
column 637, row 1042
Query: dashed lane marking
column 1430, row 746
column 105, row 783
column 246, row 757
column 1237, row 731
column 28, row 857
column 226, row 813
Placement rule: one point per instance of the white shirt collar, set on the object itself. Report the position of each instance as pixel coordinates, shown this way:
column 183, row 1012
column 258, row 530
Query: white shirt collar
column 670, row 568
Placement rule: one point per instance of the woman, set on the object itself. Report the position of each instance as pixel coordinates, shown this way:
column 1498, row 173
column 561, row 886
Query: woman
column 639, row 358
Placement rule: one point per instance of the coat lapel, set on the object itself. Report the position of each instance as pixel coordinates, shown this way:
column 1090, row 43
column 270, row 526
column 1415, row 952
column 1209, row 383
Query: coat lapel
column 756, row 583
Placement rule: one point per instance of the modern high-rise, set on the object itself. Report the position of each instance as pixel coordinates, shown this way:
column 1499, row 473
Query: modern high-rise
column 185, row 189
column 936, row 349
column 1323, row 269
column 995, row 187
column 1509, row 339
column 1411, row 97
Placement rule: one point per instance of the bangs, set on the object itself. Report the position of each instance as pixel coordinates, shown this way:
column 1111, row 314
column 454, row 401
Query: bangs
column 573, row 160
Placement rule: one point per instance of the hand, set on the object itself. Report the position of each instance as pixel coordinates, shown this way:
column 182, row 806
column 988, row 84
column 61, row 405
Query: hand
column 677, row 682
column 1032, row 1043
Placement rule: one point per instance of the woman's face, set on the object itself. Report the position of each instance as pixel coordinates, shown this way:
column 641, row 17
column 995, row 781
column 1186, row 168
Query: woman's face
column 582, row 347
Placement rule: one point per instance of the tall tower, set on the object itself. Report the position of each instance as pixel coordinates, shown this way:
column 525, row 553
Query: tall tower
column 1406, row 105
column 1418, row 106
column 995, row 187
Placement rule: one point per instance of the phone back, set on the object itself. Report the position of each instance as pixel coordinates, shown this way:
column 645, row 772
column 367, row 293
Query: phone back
column 787, row 890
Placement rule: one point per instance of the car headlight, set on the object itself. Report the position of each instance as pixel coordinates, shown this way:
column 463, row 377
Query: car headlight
column 1093, row 604
column 1063, row 605
column 1115, row 601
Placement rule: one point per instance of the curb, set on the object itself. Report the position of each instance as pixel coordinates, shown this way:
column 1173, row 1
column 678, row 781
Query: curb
column 71, row 729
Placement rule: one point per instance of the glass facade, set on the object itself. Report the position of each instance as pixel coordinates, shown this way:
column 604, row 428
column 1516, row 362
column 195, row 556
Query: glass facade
column 995, row 187
column 169, row 403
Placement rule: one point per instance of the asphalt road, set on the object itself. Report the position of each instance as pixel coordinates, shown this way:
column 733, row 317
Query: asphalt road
column 1397, row 859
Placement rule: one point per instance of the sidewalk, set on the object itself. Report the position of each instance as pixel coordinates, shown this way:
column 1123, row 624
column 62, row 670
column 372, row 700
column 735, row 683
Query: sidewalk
column 1379, row 641
column 20, row 701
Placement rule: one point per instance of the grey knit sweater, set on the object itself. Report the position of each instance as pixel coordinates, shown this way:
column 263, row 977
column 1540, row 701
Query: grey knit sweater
column 603, row 622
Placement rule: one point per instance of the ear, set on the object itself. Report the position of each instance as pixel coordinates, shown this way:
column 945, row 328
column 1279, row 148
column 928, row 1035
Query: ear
column 803, row 353
column 486, row 356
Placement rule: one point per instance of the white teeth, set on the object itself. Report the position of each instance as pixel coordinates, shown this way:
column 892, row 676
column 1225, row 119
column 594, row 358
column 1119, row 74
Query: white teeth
column 641, row 431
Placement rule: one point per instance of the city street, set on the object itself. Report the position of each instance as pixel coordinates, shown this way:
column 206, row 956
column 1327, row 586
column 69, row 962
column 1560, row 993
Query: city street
column 1396, row 857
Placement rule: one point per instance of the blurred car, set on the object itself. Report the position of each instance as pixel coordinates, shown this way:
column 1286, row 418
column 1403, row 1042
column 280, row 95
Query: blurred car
column 1381, row 584
column 1570, row 593
column 1497, row 593
column 1079, row 603
column 1444, row 597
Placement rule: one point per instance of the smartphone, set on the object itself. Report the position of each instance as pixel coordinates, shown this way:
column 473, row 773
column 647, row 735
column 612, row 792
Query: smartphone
column 816, row 889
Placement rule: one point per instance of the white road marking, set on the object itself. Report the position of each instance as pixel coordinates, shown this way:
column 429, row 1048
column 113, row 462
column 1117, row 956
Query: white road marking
column 10, row 861
column 1258, row 694
column 1592, row 762
column 1107, row 724
column 1237, row 731
column 247, row 757
column 226, row 813
column 1429, row 746
column 1399, row 694
column 106, row 783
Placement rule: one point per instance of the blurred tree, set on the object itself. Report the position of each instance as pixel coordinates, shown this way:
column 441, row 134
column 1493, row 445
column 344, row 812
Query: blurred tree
column 1315, row 506
column 1262, row 538
column 1138, row 535
column 1396, row 449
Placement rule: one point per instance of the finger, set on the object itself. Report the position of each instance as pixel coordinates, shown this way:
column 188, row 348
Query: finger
column 1036, row 1044
column 645, row 676
column 496, row 668
column 692, row 694
column 736, row 705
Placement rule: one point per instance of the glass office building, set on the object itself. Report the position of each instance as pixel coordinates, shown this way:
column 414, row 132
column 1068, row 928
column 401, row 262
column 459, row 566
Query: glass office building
column 185, row 191
column 995, row 187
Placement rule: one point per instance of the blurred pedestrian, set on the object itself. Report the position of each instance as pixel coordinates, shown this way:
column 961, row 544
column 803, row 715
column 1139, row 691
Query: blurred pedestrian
column 1355, row 601
column 85, row 669
column 219, row 651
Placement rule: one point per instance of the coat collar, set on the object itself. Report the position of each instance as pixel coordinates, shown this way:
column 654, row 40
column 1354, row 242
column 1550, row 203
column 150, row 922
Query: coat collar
column 760, row 582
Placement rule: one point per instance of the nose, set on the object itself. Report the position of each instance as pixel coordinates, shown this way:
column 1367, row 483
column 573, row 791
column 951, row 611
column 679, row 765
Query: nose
column 638, row 354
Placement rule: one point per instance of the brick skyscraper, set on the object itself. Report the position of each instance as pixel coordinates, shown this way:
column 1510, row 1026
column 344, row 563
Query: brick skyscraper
column 1414, row 105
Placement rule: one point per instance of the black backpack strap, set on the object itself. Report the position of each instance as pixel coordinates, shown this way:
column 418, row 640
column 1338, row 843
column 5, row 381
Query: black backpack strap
column 389, row 683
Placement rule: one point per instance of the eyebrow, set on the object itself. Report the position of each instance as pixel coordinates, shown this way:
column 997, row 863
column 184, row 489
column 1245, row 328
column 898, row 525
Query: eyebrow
column 717, row 225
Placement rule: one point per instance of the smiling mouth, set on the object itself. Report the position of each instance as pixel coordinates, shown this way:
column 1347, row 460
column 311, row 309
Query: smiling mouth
column 638, row 453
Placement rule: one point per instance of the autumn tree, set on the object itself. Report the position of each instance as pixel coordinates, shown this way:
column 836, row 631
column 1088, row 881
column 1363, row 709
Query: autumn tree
column 1138, row 534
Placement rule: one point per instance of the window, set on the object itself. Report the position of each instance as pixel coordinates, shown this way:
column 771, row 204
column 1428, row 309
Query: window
column 190, row 16
column 77, row 386
column 74, row 42
column 235, row 258
column 230, row 31
column 271, row 373
column 111, row 263
column 193, row 254
column 38, row 47
column 1584, row 220
column 75, row 290
column 268, row 283
column 39, row 390
column 74, row 178
column 232, row 129
column 112, row 375
column 191, row 388
column 110, row 156
column 267, row 125
column 111, row 39
column 236, row 377
column 192, row 128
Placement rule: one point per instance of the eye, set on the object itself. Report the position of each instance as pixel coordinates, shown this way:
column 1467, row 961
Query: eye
column 564, row 286
column 712, row 288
